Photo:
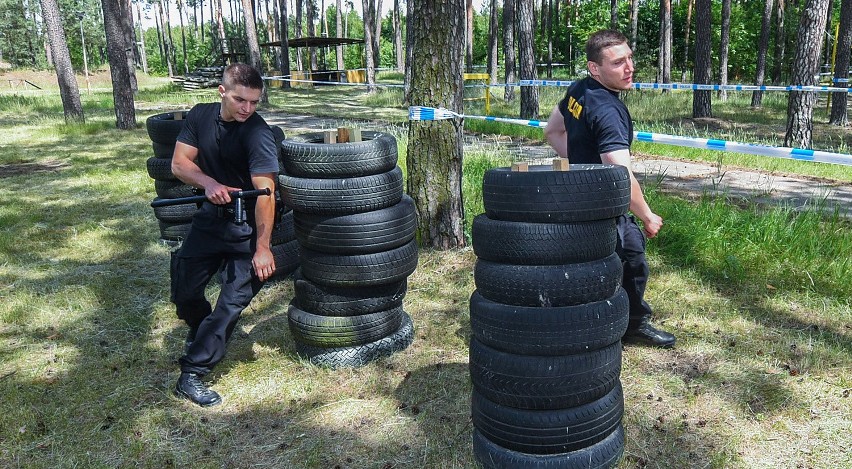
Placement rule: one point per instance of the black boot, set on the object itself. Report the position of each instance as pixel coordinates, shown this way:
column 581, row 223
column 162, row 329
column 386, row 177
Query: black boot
column 646, row 334
column 189, row 385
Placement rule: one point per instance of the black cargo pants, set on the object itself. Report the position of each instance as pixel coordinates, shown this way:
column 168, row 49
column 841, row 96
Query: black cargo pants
column 631, row 249
column 214, row 241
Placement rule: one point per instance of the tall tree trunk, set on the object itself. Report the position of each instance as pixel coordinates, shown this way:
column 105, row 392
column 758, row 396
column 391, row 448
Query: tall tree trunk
column 493, row 35
column 312, row 31
column 509, row 47
column 826, row 51
column 285, row 42
column 841, row 66
column 144, row 53
column 701, row 99
column 549, row 28
column 274, row 27
column 160, row 41
column 634, row 23
column 800, row 105
column 409, row 51
column 181, row 12
column 368, row 46
column 664, row 61
column 220, row 27
column 252, row 44
column 297, row 33
column 780, row 42
column 162, row 8
column 468, row 42
column 338, row 22
column 762, row 50
column 129, row 33
column 122, row 92
column 397, row 37
column 434, row 157
column 613, row 14
column 168, row 29
column 724, row 42
column 686, row 40
column 526, row 59
column 68, row 90
column 377, row 25
column 201, row 13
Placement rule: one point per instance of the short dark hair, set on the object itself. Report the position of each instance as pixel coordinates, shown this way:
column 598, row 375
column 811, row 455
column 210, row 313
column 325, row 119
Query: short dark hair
column 242, row 74
column 599, row 41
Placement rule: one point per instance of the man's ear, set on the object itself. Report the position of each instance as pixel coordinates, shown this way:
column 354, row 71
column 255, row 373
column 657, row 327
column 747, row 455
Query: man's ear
column 593, row 68
column 221, row 91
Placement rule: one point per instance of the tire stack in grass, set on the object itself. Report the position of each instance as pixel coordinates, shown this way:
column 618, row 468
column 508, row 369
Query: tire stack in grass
column 174, row 220
column 285, row 246
column 355, row 229
column 547, row 318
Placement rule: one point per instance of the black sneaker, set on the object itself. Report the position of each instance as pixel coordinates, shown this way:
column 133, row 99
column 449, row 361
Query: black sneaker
column 189, row 385
column 646, row 334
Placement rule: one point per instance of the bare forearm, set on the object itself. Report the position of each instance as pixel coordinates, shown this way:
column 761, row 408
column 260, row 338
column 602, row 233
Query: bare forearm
column 264, row 215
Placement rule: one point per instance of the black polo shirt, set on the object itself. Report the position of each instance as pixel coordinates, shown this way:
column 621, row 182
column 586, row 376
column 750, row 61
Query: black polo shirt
column 230, row 152
column 596, row 121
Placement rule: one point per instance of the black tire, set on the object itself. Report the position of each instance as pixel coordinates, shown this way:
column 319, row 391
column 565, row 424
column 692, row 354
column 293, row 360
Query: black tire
column 360, row 355
column 548, row 285
column 163, row 150
column 342, row 196
column 343, row 301
column 164, row 128
column 308, row 157
column 173, row 231
column 548, row 431
column 603, row 454
column 360, row 270
column 541, row 195
column 341, row 331
column 282, row 232
column 173, row 189
column 175, row 213
column 286, row 257
column 512, row 242
column 359, row 233
column 160, row 169
column 549, row 331
column 544, row 383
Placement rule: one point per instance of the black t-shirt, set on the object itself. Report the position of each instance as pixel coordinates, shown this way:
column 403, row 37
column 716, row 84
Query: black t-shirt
column 230, row 152
column 596, row 121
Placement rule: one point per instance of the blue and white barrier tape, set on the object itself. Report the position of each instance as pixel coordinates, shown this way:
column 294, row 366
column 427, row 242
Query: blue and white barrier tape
column 693, row 86
column 428, row 114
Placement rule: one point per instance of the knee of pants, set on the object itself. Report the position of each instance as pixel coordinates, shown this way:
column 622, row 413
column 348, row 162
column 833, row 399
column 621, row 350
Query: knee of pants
column 192, row 311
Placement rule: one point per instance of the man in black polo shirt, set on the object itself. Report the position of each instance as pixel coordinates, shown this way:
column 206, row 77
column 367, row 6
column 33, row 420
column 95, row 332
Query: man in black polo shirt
column 592, row 125
column 223, row 147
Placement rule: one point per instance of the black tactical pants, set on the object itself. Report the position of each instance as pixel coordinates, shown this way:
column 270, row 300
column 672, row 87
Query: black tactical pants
column 631, row 249
column 214, row 242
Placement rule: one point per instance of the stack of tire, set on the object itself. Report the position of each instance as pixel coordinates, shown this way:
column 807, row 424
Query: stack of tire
column 285, row 247
column 173, row 220
column 547, row 317
column 356, row 231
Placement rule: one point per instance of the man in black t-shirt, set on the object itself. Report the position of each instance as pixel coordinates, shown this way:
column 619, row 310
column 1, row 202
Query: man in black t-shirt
column 592, row 125
column 223, row 147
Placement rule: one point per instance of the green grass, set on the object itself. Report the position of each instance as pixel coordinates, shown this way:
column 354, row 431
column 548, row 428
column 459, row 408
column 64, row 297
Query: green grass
column 759, row 300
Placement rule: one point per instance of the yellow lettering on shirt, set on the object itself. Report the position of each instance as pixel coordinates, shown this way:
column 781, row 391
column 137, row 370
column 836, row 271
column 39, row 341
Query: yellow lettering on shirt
column 574, row 107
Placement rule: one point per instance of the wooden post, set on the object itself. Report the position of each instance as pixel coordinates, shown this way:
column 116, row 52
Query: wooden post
column 560, row 164
column 178, row 115
column 342, row 135
column 329, row 136
column 521, row 166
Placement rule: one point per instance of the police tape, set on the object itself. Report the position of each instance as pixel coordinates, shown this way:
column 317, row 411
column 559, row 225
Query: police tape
column 694, row 86
column 422, row 113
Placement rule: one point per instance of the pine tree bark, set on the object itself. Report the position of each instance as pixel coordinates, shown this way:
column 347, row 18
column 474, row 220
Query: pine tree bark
column 130, row 42
column 312, row 32
column 297, row 33
column 68, row 90
column 800, row 105
column 434, row 158
column 181, row 6
column 762, row 50
column 493, row 35
column 683, row 69
column 397, row 37
column 780, row 42
column 613, row 14
column 167, row 41
column 369, row 56
column 468, row 49
column 220, row 29
column 122, row 92
column 526, row 59
column 841, row 66
column 252, row 44
column 701, row 99
column 339, row 25
column 285, row 42
column 509, row 47
column 724, row 43
column 634, row 23
column 664, row 61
